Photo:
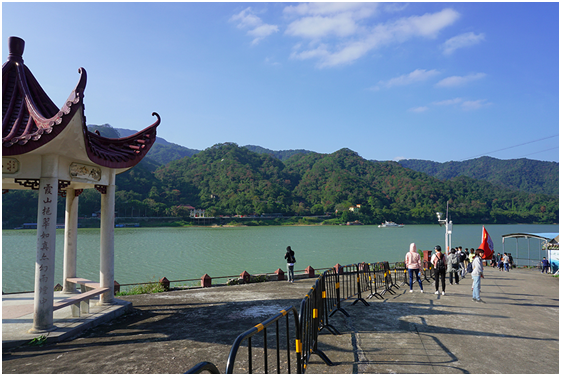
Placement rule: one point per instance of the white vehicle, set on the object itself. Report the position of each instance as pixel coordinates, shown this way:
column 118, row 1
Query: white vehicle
column 389, row 224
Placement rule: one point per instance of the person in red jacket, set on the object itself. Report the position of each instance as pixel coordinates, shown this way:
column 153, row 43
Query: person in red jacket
column 413, row 265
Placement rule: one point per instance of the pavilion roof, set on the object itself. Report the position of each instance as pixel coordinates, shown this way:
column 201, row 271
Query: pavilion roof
column 31, row 120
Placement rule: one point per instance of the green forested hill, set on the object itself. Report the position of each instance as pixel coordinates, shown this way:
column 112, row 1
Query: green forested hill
column 227, row 180
column 520, row 174
column 279, row 154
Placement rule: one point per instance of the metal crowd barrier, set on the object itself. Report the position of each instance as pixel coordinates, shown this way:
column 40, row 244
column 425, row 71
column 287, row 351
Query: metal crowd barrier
column 262, row 328
column 332, row 287
column 313, row 317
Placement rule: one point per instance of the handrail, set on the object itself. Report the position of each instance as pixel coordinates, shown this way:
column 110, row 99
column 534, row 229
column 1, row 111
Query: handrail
column 262, row 327
column 332, row 287
column 204, row 366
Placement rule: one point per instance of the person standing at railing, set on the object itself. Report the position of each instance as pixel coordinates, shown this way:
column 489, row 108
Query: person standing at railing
column 438, row 261
column 413, row 265
column 290, row 261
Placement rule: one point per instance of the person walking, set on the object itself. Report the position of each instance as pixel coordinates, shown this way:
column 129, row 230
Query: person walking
column 545, row 265
column 413, row 265
column 290, row 261
column 476, row 276
column 438, row 261
column 505, row 262
column 463, row 263
column 500, row 264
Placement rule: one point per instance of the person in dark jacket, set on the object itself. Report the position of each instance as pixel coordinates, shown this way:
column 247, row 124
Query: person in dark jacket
column 545, row 265
column 290, row 261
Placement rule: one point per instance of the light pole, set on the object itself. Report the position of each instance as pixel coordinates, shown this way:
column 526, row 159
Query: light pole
column 448, row 227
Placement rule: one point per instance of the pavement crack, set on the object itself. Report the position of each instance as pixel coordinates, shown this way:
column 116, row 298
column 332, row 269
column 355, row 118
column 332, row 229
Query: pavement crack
column 414, row 327
column 360, row 358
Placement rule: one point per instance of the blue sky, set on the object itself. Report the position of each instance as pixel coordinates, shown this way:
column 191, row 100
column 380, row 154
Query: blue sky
column 435, row 81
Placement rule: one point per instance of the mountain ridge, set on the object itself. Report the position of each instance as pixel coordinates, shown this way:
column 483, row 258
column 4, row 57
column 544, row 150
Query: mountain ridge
column 523, row 174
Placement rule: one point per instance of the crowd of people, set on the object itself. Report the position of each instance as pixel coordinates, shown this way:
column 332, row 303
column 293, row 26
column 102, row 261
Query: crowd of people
column 503, row 262
column 455, row 264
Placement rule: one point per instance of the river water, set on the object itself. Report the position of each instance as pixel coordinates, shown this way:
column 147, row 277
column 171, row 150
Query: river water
column 148, row 254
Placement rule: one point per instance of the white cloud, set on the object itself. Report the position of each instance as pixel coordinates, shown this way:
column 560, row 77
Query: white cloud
column 475, row 105
column 359, row 9
column 464, row 104
column 319, row 26
column 417, row 75
column 247, row 19
column 357, row 39
column 460, row 41
column 448, row 102
column 397, row 159
column 419, row 109
column 459, row 80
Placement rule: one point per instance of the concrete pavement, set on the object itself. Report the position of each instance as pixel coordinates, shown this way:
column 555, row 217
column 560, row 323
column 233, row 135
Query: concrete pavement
column 515, row 331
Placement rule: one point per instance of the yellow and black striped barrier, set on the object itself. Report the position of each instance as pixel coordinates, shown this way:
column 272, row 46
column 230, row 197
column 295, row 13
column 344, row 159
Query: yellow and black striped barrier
column 291, row 352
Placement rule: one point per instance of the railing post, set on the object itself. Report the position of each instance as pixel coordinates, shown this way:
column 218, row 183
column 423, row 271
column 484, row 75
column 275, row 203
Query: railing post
column 280, row 274
column 165, row 283
column 206, row 281
column 245, row 276
column 310, row 272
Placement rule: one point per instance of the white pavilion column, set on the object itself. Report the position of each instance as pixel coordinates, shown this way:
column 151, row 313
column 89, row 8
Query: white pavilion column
column 107, row 241
column 70, row 240
column 46, row 246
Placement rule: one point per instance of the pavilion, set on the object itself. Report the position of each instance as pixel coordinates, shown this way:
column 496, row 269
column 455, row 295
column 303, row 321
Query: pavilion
column 549, row 241
column 50, row 150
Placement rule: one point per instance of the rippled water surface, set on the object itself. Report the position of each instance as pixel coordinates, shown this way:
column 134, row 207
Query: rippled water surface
column 148, row 254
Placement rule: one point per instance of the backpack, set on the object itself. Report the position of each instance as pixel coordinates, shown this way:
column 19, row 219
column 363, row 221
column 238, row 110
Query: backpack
column 469, row 268
column 454, row 260
column 440, row 264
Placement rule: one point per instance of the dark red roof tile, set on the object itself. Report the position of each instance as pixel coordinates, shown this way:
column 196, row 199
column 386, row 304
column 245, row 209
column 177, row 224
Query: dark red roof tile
column 30, row 119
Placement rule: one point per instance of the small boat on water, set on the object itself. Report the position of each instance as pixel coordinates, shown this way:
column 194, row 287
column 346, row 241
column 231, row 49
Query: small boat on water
column 389, row 224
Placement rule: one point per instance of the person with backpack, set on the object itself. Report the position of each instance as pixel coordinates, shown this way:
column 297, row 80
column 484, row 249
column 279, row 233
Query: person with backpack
column 438, row 261
column 413, row 265
column 290, row 261
column 452, row 266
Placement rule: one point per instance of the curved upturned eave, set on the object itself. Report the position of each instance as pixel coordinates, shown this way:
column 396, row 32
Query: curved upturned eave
column 123, row 152
column 47, row 128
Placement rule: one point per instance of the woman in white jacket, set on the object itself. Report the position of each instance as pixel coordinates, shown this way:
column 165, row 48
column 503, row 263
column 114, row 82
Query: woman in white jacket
column 413, row 265
column 476, row 275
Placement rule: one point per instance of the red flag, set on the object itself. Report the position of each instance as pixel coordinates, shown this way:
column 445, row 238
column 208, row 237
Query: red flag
column 486, row 245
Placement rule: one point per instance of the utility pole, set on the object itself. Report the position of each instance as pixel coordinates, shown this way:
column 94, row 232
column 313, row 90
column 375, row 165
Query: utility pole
column 448, row 227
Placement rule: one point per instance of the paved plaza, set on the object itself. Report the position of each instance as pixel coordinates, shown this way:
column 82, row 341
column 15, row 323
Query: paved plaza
column 516, row 330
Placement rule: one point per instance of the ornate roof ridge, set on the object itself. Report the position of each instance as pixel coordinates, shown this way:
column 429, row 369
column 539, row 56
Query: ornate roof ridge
column 121, row 152
column 28, row 114
column 30, row 119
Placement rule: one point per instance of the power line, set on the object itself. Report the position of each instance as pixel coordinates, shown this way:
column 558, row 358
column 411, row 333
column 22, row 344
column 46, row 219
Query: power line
column 510, row 147
column 541, row 151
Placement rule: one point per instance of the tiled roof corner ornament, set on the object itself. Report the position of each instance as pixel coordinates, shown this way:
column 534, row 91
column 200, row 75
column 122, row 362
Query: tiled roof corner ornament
column 30, row 119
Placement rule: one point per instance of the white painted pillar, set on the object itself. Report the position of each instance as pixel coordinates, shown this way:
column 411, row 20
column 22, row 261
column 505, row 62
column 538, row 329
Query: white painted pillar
column 70, row 240
column 46, row 246
column 107, row 241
